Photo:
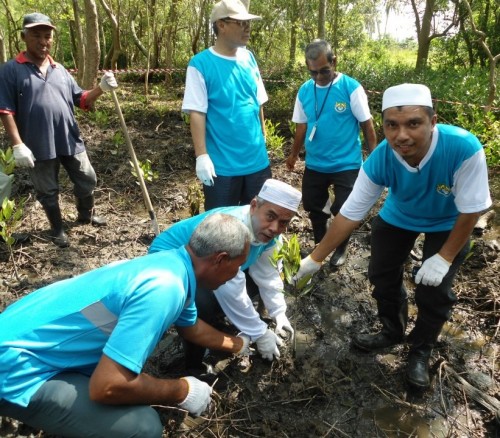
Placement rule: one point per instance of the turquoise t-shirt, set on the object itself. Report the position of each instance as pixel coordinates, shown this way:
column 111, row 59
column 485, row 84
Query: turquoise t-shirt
column 234, row 137
column 335, row 146
column 121, row 310
column 423, row 200
column 180, row 233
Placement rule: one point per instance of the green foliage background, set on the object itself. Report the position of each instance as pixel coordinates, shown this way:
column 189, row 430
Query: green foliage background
column 456, row 72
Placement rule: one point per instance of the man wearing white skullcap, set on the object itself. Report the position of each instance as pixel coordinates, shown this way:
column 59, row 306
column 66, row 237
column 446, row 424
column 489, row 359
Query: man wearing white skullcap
column 438, row 185
column 267, row 216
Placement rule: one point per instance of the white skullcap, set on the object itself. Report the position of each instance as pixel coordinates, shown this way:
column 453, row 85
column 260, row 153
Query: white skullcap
column 234, row 9
column 281, row 194
column 406, row 94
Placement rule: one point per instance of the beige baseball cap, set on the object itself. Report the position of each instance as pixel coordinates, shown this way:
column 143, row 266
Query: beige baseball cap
column 234, row 9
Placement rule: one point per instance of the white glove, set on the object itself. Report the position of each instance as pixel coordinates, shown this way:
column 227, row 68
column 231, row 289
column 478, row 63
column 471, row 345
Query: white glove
column 267, row 345
column 282, row 325
column 108, row 82
column 245, row 350
column 308, row 266
column 23, row 156
column 205, row 170
column 432, row 271
column 198, row 398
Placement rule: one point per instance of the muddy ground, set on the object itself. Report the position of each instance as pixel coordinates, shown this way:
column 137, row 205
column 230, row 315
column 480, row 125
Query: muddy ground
column 322, row 386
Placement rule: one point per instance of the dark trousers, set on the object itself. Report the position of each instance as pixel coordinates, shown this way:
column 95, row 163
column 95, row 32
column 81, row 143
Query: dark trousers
column 210, row 311
column 390, row 248
column 315, row 187
column 62, row 407
column 234, row 190
column 45, row 177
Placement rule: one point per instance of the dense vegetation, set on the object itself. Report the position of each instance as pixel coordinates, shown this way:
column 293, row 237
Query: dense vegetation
column 455, row 49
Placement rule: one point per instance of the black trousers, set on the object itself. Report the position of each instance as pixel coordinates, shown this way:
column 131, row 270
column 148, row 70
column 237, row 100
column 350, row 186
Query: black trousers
column 390, row 248
column 234, row 190
column 315, row 187
column 210, row 311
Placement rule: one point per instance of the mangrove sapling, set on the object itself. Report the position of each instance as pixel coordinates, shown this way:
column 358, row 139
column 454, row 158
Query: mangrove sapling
column 10, row 218
column 286, row 258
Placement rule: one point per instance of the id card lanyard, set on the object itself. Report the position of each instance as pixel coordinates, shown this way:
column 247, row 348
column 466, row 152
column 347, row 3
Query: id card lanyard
column 313, row 130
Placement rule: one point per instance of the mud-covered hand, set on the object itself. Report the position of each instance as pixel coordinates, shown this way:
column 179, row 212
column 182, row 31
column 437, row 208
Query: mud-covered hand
column 245, row 350
column 205, row 170
column 268, row 344
column 23, row 156
column 283, row 325
column 108, row 82
column 432, row 271
column 198, row 398
column 308, row 266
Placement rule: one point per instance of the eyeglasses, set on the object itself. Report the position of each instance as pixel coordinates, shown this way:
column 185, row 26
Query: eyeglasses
column 241, row 23
column 323, row 72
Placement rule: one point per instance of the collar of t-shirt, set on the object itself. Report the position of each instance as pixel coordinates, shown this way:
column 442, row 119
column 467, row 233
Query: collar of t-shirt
column 23, row 59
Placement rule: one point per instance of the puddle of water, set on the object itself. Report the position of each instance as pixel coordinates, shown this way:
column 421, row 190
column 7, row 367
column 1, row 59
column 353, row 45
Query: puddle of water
column 397, row 422
column 303, row 342
column 334, row 320
column 479, row 344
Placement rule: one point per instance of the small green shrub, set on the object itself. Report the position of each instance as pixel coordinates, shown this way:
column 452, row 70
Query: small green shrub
column 146, row 170
column 7, row 162
column 288, row 256
column 274, row 140
column 486, row 128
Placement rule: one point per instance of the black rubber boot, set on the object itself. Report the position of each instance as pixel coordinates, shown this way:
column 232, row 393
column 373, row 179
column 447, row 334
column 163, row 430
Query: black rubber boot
column 85, row 207
column 57, row 235
column 338, row 258
column 394, row 318
column 319, row 229
column 423, row 338
column 417, row 372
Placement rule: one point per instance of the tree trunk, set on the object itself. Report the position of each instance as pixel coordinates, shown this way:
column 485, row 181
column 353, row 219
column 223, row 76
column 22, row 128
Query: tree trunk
column 3, row 54
column 293, row 11
column 115, row 50
column 93, row 51
column 171, row 31
column 423, row 33
column 79, row 43
column 492, row 59
column 335, row 38
column 321, row 19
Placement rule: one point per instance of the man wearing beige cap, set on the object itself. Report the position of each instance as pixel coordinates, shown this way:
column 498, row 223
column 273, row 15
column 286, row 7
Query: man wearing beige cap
column 438, row 185
column 267, row 216
column 224, row 97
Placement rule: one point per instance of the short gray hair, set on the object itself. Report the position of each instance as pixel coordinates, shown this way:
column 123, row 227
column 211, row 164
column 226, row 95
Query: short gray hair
column 220, row 232
column 316, row 48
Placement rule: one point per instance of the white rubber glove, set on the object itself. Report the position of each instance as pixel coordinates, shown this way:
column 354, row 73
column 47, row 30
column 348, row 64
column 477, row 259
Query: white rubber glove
column 23, row 156
column 245, row 350
column 267, row 345
column 308, row 266
column 432, row 271
column 198, row 398
column 108, row 82
column 205, row 170
column 282, row 325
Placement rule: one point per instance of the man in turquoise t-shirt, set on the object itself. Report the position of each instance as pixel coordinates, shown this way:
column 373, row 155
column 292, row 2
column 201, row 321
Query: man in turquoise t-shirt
column 224, row 97
column 73, row 367
column 329, row 112
column 438, row 185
